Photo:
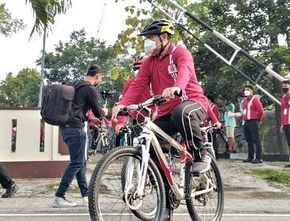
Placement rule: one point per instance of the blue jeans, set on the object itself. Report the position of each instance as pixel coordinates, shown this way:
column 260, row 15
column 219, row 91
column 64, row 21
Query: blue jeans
column 75, row 138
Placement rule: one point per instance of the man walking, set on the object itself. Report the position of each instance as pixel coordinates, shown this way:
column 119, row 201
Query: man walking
column 75, row 137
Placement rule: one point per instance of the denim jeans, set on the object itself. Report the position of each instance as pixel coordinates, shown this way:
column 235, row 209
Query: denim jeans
column 75, row 138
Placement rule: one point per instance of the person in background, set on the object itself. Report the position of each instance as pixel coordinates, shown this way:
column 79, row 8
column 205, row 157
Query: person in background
column 215, row 111
column 230, row 124
column 242, row 122
column 285, row 113
column 74, row 135
column 7, row 183
column 252, row 115
column 121, row 121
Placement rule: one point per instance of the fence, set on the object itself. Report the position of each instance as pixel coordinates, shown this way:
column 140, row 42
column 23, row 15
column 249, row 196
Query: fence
column 28, row 146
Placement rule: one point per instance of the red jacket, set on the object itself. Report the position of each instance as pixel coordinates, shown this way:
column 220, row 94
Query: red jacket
column 252, row 108
column 213, row 115
column 166, row 72
column 145, row 95
column 285, row 109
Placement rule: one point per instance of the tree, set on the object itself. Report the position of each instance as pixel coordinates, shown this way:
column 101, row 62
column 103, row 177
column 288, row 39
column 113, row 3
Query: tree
column 70, row 60
column 249, row 23
column 45, row 12
column 20, row 90
column 9, row 25
column 255, row 25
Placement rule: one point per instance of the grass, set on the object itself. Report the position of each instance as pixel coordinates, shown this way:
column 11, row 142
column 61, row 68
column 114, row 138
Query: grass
column 273, row 175
column 53, row 185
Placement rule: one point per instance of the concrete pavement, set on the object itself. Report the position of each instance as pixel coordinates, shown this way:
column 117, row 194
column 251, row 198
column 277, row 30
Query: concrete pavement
column 244, row 193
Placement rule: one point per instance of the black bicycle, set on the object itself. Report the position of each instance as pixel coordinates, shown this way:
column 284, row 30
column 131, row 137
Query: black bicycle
column 101, row 137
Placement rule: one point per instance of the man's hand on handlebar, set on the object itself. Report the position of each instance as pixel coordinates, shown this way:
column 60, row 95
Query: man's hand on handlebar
column 171, row 92
column 116, row 110
column 217, row 124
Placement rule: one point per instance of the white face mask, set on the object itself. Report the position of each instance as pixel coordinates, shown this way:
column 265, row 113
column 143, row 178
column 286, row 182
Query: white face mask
column 136, row 72
column 247, row 93
column 149, row 46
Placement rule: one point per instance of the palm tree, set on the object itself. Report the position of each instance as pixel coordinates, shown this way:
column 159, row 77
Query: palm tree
column 45, row 12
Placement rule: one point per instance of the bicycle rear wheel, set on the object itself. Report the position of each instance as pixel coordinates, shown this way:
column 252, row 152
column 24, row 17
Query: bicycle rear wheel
column 110, row 198
column 208, row 206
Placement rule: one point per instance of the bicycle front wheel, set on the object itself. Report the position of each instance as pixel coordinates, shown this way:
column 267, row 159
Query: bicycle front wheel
column 130, row 167
column 114, row 197
column 209, row 205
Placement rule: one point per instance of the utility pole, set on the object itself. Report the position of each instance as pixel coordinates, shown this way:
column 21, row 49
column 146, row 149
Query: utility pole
column 42, row 69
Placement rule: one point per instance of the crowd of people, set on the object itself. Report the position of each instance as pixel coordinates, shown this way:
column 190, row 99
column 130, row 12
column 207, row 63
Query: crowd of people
column 166, row 69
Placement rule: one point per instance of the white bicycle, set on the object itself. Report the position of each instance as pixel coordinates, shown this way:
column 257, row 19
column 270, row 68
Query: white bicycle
column 128, row 182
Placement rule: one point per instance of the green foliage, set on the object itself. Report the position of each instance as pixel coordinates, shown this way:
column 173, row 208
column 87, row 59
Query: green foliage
column 9, row 25
column 20, row 90
column 70, row 60
column 248, row 24
column 254, row 25
column 273, row 175
column 45, row 12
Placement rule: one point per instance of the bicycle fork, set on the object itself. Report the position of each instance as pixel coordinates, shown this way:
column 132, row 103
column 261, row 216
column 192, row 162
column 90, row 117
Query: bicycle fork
column 140, row 170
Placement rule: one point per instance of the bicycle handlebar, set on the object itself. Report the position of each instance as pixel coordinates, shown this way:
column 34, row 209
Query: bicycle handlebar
column 156, row 100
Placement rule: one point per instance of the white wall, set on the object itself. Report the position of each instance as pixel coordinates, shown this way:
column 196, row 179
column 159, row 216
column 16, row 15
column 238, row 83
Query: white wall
column 28, row 137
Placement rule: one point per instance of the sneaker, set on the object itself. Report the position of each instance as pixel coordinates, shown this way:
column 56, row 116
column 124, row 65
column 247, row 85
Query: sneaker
column 62, row 202
column 287, row 166
column 10, row 191
column 84, row 201
column 202, row 166
column 257, row 161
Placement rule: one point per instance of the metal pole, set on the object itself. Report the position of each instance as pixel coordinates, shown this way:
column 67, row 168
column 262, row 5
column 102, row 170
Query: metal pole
column 42, row 69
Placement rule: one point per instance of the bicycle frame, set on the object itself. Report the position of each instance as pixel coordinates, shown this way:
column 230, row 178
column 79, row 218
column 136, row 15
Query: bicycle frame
column 149, row 136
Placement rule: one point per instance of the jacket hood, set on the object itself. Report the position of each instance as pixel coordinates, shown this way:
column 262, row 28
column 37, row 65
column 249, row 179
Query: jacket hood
column 79, row 83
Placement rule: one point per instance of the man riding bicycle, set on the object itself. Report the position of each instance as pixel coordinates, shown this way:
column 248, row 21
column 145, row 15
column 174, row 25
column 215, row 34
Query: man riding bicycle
column 169, row 69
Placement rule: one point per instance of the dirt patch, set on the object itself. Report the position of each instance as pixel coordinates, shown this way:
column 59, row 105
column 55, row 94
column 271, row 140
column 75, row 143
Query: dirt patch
column 239, row 179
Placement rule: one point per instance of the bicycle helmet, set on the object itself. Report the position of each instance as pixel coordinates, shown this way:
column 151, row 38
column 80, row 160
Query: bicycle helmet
column 158, row 27
column 137, row 62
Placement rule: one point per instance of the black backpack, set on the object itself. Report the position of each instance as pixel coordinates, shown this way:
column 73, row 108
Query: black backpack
column 57, row 103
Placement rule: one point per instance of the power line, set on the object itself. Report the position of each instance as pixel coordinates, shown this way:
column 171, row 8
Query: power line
column 98, row 31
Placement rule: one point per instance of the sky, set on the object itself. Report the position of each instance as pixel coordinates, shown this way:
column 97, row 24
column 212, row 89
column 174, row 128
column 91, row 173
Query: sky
column 18, row 52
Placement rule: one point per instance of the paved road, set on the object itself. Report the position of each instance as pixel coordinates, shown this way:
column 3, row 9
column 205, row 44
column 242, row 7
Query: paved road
column 247, row 198
column 179, row 216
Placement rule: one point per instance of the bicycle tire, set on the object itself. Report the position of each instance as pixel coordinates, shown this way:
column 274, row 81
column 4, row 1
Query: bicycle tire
column 205, row 206
column 147, row 215
column 105, row 184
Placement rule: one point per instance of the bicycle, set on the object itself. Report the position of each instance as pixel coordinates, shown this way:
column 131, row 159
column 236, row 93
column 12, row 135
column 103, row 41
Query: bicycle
column 126, row 183
column 100, row 137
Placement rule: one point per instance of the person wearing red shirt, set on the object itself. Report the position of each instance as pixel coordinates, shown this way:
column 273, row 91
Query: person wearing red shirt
column 120, row 121
column 285, row 113
column 213, row 116
column 169, row 69
column 252, row 115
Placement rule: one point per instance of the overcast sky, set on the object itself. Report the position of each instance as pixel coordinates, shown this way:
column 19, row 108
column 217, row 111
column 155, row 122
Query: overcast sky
column 17, row 52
